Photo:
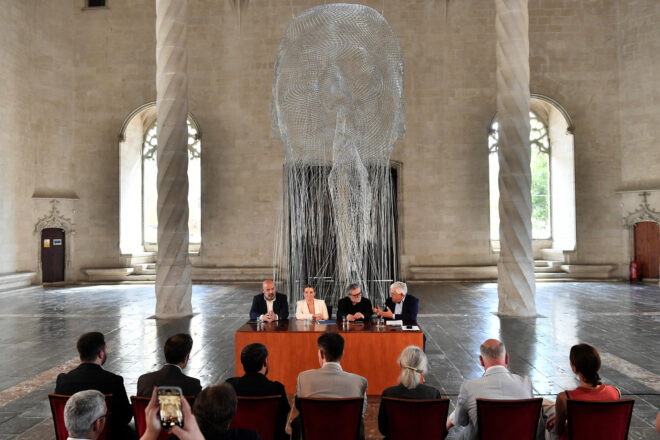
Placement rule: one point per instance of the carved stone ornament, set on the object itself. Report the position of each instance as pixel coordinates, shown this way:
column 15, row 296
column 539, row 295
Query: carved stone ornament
column 643, row 214
column 54, row 219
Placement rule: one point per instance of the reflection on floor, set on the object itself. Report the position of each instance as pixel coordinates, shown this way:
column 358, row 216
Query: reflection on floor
column 39, row 330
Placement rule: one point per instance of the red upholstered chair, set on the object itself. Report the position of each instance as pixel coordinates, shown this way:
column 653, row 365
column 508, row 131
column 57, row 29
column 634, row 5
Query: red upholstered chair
column 508, row 419
column 139, row 404
column 330, row 419
column 257, row 413
column 57, row 403
column 599, row 420
column 423, row 418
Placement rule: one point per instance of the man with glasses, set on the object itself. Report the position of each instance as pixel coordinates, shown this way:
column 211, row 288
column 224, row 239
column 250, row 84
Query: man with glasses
column 84, row 415
column 354, row 307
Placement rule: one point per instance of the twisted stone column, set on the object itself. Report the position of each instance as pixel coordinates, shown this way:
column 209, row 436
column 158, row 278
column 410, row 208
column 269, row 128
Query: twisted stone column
column 173, row 271
column 516, row 283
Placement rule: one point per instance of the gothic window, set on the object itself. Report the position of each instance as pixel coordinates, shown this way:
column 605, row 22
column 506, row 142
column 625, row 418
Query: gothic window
column 552, row 175
column 149, row 191
column 540, row 167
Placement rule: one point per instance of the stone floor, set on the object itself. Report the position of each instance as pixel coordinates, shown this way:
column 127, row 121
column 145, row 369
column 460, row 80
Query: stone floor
column 38, row 330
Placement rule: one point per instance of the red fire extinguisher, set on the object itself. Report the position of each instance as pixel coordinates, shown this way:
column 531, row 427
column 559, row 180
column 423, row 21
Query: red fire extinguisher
column 634, row 271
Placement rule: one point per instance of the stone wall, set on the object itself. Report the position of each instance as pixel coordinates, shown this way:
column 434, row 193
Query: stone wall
column 36, row 129
column 449, row 56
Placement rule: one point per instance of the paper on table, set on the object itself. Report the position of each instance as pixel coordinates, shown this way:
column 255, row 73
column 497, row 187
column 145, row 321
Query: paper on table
column 410, row 328
column 327, row 321
column 397, row 323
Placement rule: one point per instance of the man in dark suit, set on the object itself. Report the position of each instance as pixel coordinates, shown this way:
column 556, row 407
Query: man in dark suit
column 90, row 375
column 177, row 352
column 399, row 305
column 269, row 306
column 254, row 382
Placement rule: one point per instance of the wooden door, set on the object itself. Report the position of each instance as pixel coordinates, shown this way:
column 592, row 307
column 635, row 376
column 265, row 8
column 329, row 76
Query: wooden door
column 647, row 248
column 52, row 255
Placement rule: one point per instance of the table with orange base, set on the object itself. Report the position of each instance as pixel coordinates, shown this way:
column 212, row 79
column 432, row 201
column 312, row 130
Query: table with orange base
column 369, row 351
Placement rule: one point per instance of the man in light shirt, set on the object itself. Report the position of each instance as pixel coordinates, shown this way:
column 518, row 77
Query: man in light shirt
column 496, row 383
column 269, row 305
column 84, row 415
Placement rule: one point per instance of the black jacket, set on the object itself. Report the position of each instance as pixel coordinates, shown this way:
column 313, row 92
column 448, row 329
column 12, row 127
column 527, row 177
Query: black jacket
column 169, row 375
column 259, row 307
column 256, row 384
column 346, row 307
column 89, row 376
column 410, row 308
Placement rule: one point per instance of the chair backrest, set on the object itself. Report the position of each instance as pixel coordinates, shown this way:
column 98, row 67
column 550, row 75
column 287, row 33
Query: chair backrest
column 57, row 404
column 258, row 413
column 139, row 404
column 418, row 418
column 329, row 307
column 599, row 420
column 326, row 419
column 507, row 419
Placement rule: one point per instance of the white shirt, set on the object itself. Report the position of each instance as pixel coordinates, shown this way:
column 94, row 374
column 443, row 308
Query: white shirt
column 398, row 307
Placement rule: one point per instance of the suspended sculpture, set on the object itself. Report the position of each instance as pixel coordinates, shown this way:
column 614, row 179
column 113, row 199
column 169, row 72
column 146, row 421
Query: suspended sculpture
column 338, row 108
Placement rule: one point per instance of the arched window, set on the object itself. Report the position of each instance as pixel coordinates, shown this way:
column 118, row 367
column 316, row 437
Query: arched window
column 540, row 167
column 149, row 191
column 553, row 181
column 138, row 144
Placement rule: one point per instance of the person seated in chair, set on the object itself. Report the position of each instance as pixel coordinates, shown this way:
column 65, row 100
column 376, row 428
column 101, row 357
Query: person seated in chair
column 413, row 365
column 496, row 383
column 177, row 352
column 585, row 362
column 310, row 308
column 269, row 305
column 85, row 415
column 90, row 375
column 329, row 381
column 354, row 307
column 399, row 305
column 254, row 358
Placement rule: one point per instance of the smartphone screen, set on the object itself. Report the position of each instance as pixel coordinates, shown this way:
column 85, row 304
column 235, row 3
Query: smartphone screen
column 171, row 411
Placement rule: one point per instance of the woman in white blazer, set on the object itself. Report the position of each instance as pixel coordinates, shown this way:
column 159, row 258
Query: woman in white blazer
column 310, row 308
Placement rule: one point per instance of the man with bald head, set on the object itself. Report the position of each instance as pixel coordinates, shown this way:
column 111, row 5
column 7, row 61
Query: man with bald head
column 269, row 305
column 496, row 383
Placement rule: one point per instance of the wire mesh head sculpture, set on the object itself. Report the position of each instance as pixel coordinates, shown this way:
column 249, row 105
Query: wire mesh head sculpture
column 338, row 108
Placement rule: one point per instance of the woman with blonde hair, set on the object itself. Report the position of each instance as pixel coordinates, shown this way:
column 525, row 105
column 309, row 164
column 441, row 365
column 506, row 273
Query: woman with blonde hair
column 311, row 308
column 413, row 365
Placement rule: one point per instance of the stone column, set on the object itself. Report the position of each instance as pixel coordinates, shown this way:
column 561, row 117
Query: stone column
column 173, row 271
column 516, row 282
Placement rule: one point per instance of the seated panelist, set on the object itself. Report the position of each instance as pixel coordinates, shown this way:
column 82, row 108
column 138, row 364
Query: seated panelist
column 310, row 308
column 269, row 305
column 399, row 305
column 354, row 307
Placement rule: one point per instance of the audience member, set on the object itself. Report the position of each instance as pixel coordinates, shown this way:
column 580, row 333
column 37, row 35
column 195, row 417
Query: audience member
column 329, row 381
column 354, row 306
column 269, row 305
column 413, row 365
column 496, row 383
column 214, row 408
column 585, row 362
column 310, row 308
column 84, row 415
column 399, row 305
column 90, row 375
column 254, row 358
column 177, row 352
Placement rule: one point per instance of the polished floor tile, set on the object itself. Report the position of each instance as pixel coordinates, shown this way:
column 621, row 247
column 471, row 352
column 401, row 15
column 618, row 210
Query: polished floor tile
column 38, row 331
